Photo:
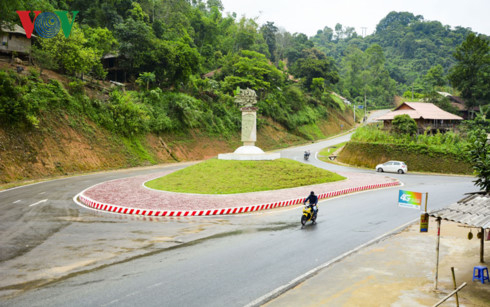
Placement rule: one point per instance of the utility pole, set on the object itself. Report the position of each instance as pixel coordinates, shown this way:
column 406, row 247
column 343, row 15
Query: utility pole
column 437, row 252
column 365, row 105
column 354, row 114
column 363, row 31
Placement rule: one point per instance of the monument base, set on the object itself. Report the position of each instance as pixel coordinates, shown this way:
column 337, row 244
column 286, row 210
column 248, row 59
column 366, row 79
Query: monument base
column 245, row 153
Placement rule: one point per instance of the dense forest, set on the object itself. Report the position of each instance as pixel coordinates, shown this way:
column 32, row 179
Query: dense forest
column 183, row 61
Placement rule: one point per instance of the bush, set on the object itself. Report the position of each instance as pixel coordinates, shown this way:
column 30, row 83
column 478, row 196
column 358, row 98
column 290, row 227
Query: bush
column 22, row 100
column 404, row 124
column 128, row 118
column 13, row 109
column 77, row 87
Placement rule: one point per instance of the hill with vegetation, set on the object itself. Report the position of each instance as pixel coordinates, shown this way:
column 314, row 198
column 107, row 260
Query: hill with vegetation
column 406, row 54
column 57, row 126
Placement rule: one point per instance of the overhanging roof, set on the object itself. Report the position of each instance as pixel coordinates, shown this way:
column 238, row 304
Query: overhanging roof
column 420, row 110
column 473, row 210
column 15, row 29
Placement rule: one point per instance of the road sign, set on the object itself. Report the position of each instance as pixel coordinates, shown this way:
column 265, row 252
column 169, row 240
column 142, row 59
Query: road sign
column 408, row 199
column 360, row 107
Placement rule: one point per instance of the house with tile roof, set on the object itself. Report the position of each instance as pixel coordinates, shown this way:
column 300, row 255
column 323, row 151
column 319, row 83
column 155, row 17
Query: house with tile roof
column 427, row 116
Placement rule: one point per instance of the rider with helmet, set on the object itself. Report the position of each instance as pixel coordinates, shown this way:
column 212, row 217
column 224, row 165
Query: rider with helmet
column 313, row 199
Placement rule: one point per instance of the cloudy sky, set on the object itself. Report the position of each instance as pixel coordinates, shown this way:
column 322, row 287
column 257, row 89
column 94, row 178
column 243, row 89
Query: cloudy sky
column 308, row 16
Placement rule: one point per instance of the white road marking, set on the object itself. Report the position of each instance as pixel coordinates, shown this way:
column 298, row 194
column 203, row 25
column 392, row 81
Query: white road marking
column 111, row 302
column 154, row 285
column 16, row 201
column 39, row 202
column 132, row 293
column 42, row 193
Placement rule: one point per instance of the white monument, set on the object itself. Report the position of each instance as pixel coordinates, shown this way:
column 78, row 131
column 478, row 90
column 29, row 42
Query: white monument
column 247, row 98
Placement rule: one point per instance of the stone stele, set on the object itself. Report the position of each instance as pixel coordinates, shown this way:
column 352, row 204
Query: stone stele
column 247, row 99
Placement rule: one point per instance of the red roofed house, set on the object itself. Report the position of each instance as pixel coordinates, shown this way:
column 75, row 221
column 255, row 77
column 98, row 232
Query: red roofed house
column 426, row 115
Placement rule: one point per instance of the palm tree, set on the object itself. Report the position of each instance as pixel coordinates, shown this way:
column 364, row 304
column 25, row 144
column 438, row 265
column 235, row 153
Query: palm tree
column 147, row 77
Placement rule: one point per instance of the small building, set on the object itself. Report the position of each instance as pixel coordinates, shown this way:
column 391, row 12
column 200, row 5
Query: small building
column 460, row 105
column 427, row 116
column 14, row 40
column 111, row 64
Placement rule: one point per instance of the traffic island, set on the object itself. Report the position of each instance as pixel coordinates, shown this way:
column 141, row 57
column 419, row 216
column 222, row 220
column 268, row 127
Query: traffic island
column 131, row 196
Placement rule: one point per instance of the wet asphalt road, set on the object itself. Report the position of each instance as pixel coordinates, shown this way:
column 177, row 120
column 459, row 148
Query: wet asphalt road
column 55, row 253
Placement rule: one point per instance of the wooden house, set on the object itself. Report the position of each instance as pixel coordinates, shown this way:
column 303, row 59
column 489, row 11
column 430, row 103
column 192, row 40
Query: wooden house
column 460, row 105
column 111, row 63
column 427, row 116
column 14, row 40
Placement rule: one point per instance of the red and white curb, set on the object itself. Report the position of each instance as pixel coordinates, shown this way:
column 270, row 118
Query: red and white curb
column 93, row 204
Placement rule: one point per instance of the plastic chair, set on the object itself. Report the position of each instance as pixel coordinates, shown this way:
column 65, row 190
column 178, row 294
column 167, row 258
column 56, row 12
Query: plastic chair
column 479, row 274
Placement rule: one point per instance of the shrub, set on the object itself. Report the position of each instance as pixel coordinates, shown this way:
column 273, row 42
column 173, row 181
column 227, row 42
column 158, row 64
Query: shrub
column 128, row 118
column 76, row 87
column 16, row 105
column 404, row 124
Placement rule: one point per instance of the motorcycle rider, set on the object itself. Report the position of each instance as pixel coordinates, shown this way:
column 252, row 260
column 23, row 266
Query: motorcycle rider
column 313, row 199
column 307, row 154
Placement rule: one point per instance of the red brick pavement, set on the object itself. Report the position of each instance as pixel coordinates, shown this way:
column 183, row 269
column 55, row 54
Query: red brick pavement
column 130, row 196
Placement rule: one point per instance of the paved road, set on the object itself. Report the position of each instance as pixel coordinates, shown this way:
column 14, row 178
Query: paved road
column 57, row 254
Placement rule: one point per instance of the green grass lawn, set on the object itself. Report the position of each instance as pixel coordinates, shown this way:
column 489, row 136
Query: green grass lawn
column 325, row 152
column 227, row 177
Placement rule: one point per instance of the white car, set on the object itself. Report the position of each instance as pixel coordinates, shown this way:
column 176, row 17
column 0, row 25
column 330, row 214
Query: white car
column 392, row 166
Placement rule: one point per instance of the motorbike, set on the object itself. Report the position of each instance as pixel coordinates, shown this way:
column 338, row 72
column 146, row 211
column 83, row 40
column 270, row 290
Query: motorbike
column 307, row 155
column 308, row 215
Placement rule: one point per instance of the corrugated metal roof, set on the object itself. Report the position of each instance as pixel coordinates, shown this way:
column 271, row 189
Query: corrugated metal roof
column 15, row 29
column 473, row 210
column 421, row 110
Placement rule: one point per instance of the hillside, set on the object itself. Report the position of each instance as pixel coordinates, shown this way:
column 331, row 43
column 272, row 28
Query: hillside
column 65, row 139
column 406, row 53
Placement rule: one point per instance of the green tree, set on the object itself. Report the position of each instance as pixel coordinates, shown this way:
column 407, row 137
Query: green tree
column 137, row 13
column 471, row 74
column 72, row 54
column 250, row 69
column 136, row 42
column 479, row 157
column 404, row 124
column 318, row 87
column 315, row 64
column 365, row 75
column 435, row 76
column 269, row 31
column 146, row 78
column 100, row 39
column 296, row 43
column 43, row 58
column 174, row 62
column 353, row 66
